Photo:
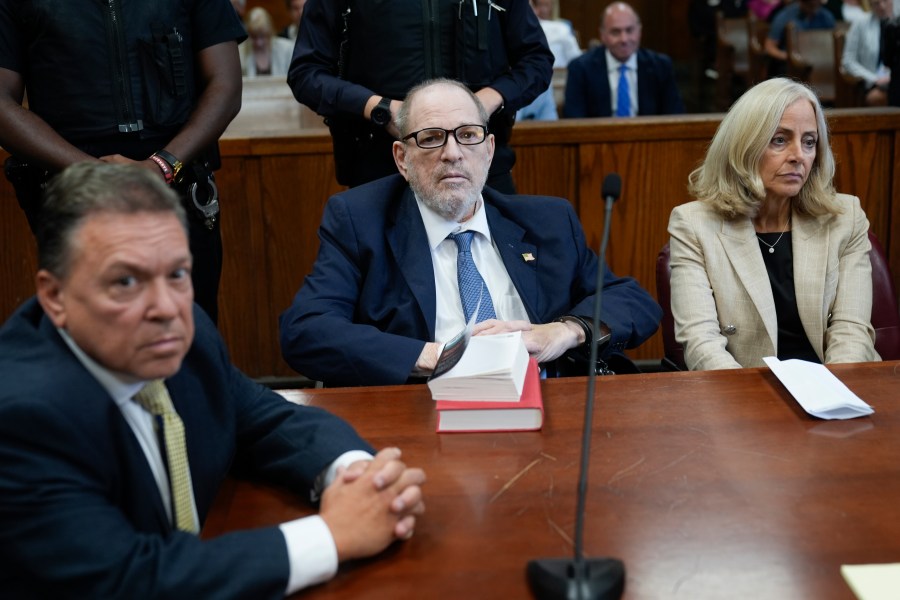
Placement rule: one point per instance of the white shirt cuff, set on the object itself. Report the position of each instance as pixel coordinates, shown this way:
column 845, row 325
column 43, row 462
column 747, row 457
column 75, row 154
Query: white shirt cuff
column 344, row 460
column 311, row 552
column 327, row 476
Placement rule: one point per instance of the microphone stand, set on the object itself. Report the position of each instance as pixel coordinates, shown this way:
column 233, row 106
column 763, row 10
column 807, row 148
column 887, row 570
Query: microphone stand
column 579, row 578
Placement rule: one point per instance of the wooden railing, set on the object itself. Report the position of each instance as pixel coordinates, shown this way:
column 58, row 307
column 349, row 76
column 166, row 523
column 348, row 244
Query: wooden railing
column 274, row 187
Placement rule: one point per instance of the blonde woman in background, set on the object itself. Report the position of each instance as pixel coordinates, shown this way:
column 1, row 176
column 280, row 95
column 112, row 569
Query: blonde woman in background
column 263, row 53
column 769, row 260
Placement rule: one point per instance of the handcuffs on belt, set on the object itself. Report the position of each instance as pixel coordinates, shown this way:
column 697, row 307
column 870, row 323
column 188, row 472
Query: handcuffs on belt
column 174, row 172
column 208, row 210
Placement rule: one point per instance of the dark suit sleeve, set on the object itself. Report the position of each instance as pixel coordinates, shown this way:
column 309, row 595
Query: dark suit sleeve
column 530, row 60
column 320, row 336
column 629, row 310
column 62, row 535
column 312, row 74
column 576, row 100
column 280, row 442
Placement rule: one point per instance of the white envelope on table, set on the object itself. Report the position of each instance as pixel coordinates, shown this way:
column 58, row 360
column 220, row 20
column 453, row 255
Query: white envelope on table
column 817, row 390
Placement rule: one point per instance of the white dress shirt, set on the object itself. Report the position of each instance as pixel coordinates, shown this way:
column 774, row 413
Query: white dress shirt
column 562, row 42
column 631, row 75
column 862, row 49
column 450, row 318
column 311, row 551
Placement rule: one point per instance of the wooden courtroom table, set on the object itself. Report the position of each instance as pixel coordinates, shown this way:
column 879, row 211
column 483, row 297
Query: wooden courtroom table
column 707, row 485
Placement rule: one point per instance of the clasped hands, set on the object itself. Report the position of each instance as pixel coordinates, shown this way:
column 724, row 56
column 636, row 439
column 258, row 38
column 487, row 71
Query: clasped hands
column 371, row 503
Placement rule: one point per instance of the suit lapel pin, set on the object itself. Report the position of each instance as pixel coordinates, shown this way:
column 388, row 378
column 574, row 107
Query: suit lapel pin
column 527, row 256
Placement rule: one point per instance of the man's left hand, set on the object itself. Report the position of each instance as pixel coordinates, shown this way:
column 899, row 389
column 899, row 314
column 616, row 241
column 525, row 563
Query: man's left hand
column 544, row 342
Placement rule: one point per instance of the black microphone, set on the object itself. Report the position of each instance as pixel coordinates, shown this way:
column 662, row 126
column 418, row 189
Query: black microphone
column 579, row 578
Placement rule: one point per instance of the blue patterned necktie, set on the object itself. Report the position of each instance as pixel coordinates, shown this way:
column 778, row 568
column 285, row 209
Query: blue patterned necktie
column 471, row 285
column 623, row 102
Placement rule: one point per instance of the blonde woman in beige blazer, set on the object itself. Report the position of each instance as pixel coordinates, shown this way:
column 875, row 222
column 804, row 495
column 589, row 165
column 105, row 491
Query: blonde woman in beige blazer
column 769, row 260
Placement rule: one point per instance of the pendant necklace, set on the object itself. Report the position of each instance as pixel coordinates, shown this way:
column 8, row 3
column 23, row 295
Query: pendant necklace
column 772, row 246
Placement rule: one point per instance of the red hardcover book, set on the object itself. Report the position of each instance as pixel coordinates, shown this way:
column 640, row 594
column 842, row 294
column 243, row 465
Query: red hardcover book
column 527, row 414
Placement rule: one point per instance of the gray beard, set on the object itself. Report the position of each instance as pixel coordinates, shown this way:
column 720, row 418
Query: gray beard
column 451, row 209
column 449, row 206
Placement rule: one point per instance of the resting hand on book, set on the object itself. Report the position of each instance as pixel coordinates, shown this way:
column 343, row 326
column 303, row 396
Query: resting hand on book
column 372, row 503
column 544, row 342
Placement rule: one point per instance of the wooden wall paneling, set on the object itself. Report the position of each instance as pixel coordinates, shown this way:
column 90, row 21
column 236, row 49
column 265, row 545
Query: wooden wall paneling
column 623, row 252
column 857, row 156
column 585, row 18
column 296, row 190
column 861, row 153
column 17, row 249
column 674, row 34
column 654, row 176
column 244, row 303
column 547, row 170
column 286, row 168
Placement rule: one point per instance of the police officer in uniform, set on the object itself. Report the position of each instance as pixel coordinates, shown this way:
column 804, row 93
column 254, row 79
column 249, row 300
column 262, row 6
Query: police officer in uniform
column 154, row 83
column 355, row 60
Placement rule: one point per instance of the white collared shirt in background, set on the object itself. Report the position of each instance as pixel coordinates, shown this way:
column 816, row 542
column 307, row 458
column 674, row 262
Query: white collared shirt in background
column 562, row 42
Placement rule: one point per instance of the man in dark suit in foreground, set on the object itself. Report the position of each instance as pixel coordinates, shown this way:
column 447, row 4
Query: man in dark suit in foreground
column 619, row 78
column 384, row 293
column 98, row 498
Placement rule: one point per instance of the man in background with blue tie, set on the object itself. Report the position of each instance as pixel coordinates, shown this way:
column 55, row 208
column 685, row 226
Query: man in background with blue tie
column 620, row 78
column 404, row 260
column 120, row 416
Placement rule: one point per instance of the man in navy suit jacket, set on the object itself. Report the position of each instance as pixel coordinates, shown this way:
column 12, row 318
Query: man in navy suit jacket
column 593, row 78
column 85, row 503
column 383, row 294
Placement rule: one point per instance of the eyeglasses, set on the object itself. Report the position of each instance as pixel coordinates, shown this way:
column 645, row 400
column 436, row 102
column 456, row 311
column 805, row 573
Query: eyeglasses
column 435, row 137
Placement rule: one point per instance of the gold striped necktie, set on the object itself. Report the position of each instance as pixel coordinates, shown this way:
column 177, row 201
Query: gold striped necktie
column 155, row 399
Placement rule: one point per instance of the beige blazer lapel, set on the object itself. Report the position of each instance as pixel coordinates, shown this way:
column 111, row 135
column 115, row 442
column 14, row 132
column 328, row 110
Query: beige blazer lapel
column 809, row 244
column 742, row 248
